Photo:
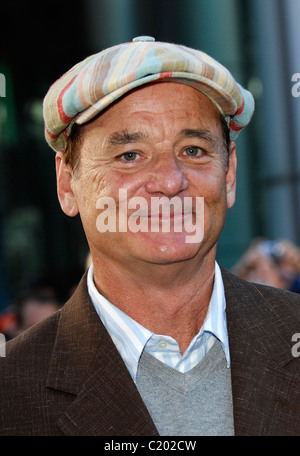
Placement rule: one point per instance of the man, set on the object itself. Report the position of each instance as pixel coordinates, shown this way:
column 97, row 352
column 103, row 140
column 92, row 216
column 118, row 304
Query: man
column 157, row 339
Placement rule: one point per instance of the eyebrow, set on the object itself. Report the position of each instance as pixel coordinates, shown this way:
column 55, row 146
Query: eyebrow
column 123, row 138
column 201, row 134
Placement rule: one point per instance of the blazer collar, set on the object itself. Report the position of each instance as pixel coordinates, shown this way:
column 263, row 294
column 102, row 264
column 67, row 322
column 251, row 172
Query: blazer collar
column 86, row 364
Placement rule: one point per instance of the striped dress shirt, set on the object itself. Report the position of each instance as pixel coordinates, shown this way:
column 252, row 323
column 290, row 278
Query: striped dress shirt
column 131, row 338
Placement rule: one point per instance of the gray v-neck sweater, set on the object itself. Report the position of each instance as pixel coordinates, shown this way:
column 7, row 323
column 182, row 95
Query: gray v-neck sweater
column 198, row 402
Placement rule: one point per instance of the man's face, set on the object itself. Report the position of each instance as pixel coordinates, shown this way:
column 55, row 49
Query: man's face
column 162, row 140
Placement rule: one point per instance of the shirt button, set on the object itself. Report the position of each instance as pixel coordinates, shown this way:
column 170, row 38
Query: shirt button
column 143, row 38
column 162, row 344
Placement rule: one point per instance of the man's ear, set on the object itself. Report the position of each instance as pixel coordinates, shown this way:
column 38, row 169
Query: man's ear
column 231, row 175
column 64, row 177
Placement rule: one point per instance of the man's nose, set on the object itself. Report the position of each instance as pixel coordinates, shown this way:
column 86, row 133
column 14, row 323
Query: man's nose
column 167, row 177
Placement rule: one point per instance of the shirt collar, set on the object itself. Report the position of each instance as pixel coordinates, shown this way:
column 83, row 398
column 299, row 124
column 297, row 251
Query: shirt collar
column 130, row 338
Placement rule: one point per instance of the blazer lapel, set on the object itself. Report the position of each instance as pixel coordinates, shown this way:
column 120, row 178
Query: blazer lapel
column 265, row 375
column 86, row 364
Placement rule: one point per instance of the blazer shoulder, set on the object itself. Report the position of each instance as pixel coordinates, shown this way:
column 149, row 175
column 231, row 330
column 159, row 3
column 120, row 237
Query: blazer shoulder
column 30, row 349
column 279, row 294
column 268, row 292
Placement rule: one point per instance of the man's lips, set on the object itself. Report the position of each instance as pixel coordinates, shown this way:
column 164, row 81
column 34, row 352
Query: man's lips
column 178, row 220
column 164, row 216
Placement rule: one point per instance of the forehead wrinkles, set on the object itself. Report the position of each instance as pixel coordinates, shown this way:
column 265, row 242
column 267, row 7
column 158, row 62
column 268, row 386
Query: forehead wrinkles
column 139, row 127
column 171, row 107
column 158, row 111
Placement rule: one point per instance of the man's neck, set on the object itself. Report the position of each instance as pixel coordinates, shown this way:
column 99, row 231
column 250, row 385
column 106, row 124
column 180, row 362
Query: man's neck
column 166, row 299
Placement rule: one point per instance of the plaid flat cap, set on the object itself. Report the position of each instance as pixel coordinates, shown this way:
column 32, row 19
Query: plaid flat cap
column 101, row 79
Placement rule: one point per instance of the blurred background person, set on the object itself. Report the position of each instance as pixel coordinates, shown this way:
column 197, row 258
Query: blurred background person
column 36, row 300
column 34, row 306
column 275, row 263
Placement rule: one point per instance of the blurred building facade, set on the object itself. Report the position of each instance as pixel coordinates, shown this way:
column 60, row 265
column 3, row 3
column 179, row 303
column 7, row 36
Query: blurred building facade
column 256, row 39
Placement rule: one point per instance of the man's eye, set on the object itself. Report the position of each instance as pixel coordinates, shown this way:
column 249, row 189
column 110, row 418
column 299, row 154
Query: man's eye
column 193, row 151
column 129, row 156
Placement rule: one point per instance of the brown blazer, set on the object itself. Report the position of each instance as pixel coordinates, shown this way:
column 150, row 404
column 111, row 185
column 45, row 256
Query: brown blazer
column 64, row 376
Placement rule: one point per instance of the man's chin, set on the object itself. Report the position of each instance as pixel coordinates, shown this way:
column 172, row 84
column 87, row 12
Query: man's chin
column 162, row 248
